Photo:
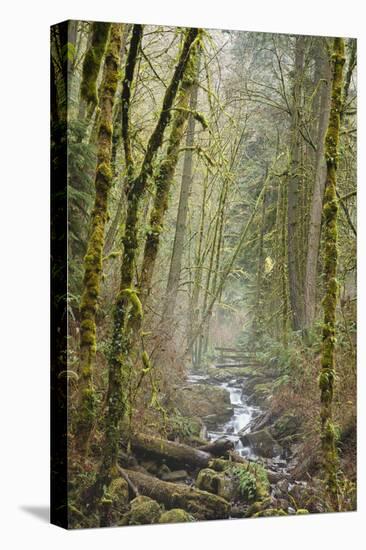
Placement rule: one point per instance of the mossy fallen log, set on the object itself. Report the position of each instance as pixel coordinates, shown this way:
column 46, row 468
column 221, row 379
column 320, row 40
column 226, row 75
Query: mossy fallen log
column 220, row 447
column 173, row 453
column 201, row 504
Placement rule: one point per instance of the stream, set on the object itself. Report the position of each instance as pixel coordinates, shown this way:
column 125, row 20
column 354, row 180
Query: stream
column 242, row 415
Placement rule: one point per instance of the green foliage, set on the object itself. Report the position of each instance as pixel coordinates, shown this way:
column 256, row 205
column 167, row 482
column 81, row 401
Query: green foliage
column 81, row 166
column 181, row 426
column 247, row 483
column 68, row 52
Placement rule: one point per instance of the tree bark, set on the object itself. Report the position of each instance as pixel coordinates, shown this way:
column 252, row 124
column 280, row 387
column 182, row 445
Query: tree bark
column 180, row 230
column 91, row 67
column 293, row 195
column 330, row 211
column 165, row 175
column 93, row 257
column 176, row 454
column 178, row 495
column 317, row 198
column 128, row 310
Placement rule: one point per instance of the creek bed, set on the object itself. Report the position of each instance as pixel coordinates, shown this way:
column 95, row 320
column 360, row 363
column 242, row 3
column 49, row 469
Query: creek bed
column 242, row 415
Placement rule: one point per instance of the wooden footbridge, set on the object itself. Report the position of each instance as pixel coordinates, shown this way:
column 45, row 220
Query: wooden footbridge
column 234, row 357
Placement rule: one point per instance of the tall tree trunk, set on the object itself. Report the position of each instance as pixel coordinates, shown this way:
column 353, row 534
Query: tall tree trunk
column 317, row 196
column 283, row 268
column 116, row 119
column 165, row 176
column 258, row 313
column 193, row 307
column 93, row 257
column 180, row 230
column 128, row 310
column 294, row 184
column 91, row 67
column 330, row 210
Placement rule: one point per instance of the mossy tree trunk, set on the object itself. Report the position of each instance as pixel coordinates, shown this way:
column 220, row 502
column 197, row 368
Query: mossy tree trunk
column 330, row 210
column 257, row 327
column 91, row 67
column 211, row 278
column 117, row 122
column 166, row 173
column 294, row 189
column 283, row 266
column 128, row 310
column 93, row 257
column 181, row 224
column 313, row 244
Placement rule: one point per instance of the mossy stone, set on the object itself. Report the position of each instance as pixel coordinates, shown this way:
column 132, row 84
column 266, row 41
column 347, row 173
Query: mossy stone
column 217, row 483
column 176, row 515
column 118, row 492
column 144, row 510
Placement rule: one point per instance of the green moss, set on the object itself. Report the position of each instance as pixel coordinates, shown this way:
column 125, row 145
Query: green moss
column 144, row 510
column 217, row 483
column 94, row 254
column 251, row 478
column 127, row 319
column 104, row 171
column 135, row 302
column 119, row 493
column 270, row 512
column 200, row 117
column 167, row 167
column 92, row 62
column 330, row 211
column 176, row 515
column 146, row 361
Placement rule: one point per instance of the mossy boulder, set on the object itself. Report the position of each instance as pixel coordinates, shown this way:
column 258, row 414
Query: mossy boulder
column 270, row 512
column 114, row 502
column 176, row 515
column 249, row 479
column 262, row 443
column 205, row 401
column 185, row 428
column 218, row 483
column 287, row 425
column 119, row 493
column 234, row 481
column 144, row 510
column 253, row 381
column 261, row 392
column 267, row 507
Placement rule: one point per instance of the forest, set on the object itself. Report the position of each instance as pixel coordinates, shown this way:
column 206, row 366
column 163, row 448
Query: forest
column 211, row 271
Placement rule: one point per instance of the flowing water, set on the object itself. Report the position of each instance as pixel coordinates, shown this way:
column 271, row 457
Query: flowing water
column 243, row 413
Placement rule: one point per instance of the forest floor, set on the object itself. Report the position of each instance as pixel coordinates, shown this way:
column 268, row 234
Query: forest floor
column 240, row 447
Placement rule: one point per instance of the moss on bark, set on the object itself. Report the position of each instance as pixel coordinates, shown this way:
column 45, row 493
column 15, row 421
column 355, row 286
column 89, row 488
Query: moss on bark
column 93, row 257
column 92, row 63
column 124, row 318
column 330, row 210
column 166, row 173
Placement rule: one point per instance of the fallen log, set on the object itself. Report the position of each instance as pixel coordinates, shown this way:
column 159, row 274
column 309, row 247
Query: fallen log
column 201, row 504
column 220, row 447
column 176, row 454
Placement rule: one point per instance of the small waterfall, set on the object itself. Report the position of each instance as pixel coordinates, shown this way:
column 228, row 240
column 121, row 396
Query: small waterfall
column 243, row 414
